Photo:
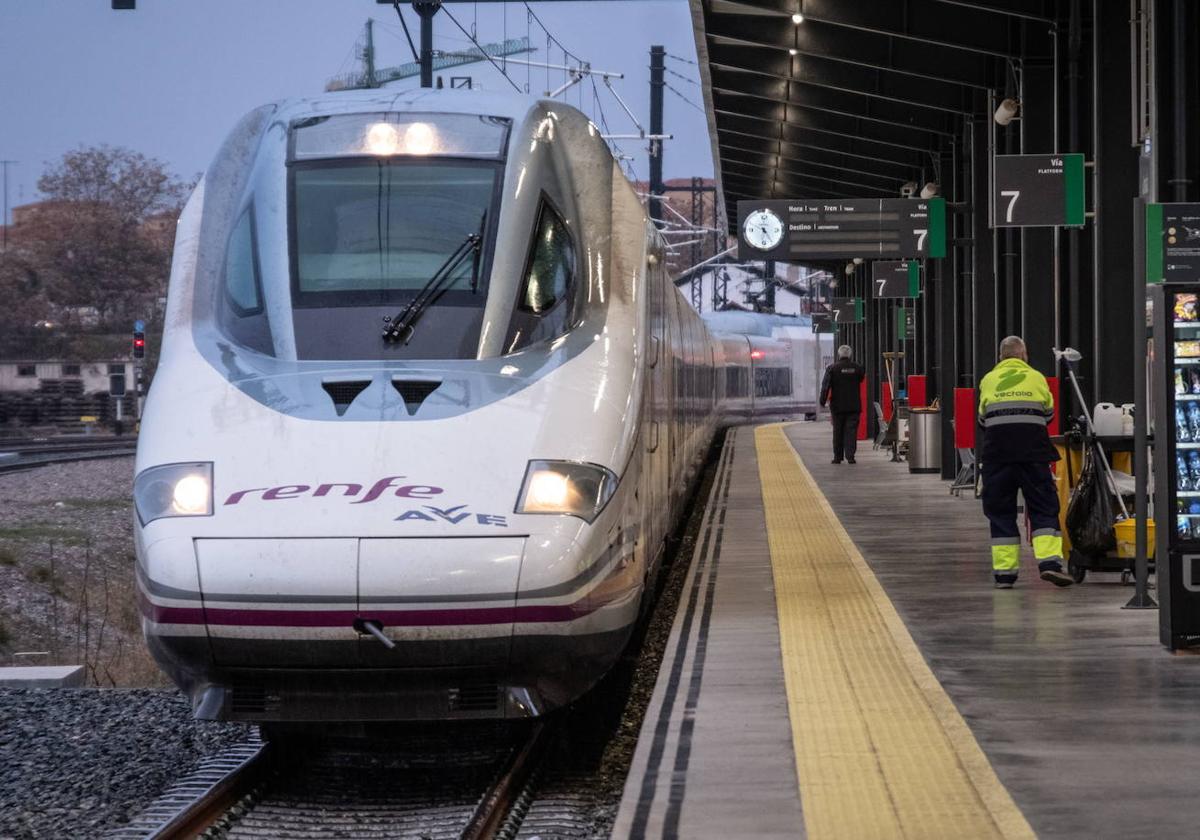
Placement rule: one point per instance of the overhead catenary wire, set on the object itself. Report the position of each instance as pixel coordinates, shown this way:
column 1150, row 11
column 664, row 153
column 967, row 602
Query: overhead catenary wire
column 671, row 88
column 407, row 34
column 687, row 79
column 681, row 58
column 484, row 52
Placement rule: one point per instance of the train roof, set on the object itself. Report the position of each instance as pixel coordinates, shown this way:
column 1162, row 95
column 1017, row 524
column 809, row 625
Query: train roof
column 511, row 105
column 753, row 323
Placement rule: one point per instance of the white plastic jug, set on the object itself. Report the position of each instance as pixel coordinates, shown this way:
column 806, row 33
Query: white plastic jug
column 1107, row 420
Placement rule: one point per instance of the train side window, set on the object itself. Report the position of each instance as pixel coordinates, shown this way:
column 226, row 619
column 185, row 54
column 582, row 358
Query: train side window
column 550, row 272
column 241, row 268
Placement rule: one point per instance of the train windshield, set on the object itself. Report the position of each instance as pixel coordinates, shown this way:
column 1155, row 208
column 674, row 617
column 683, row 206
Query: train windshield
column 368, row 235
column 376, row 231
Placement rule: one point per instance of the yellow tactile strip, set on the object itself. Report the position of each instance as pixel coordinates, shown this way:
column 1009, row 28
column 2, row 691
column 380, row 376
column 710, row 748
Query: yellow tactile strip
column 881, row 751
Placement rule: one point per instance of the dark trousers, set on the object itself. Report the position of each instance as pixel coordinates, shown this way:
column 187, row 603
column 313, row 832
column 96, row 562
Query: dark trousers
column 845, row 434
column 1036, row 483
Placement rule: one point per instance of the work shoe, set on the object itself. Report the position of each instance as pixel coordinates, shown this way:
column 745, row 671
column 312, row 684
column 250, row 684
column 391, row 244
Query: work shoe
column 837, row 461
column 1058, row 577
column 851, row 461
column 1005, row 581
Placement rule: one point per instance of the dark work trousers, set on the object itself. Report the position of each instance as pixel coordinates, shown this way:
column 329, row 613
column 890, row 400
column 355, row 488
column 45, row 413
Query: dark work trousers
column 1036, row 483
column 845, row 434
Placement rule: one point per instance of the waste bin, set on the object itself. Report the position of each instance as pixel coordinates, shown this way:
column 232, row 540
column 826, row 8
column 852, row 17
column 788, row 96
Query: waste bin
column 925, row 440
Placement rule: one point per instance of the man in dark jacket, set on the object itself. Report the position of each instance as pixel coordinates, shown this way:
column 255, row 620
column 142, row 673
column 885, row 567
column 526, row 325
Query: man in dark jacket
column 840, row 389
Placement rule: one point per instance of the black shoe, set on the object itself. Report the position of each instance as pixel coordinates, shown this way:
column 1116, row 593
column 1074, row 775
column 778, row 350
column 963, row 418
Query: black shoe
column 837, row 461
column 1058, row 577
column 851, row 461
column 1005, row 581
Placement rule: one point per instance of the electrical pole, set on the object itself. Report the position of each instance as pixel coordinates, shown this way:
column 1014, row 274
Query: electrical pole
column 369, row 54
column 4, row 219
column 657, row 82
column 426, row 9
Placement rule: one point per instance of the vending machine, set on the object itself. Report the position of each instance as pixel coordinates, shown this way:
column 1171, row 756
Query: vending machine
column 1174, row 316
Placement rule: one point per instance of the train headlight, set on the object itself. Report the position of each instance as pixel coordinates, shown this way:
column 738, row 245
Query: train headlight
column 173, row 490
column 566, row 487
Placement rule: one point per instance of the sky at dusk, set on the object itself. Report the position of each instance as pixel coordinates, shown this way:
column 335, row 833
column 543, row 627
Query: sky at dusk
column 171, row 78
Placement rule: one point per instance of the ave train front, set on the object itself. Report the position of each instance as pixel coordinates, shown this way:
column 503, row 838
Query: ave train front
column 426, row 410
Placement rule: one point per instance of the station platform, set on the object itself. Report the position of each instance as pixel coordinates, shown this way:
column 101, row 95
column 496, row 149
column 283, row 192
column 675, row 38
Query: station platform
column 840, row 666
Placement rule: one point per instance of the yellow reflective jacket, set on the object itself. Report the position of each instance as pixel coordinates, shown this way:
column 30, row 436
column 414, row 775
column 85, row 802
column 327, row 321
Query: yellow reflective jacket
column 1015, row 406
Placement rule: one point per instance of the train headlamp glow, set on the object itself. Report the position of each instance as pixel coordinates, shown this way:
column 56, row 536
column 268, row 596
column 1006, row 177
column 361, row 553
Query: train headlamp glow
column 382, row 139
column 191, row 495
column 173, row 490
column 566, row 487
column 397, row 134
column 420, row 139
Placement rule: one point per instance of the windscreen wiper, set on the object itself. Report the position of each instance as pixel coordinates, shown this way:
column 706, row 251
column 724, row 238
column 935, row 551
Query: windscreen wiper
column 400, row 328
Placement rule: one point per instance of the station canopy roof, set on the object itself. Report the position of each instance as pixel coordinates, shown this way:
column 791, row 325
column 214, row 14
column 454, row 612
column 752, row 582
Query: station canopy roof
column 859, row 98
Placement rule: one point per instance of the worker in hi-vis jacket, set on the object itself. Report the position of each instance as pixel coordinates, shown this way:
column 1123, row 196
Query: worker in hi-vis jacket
column 1015, row 405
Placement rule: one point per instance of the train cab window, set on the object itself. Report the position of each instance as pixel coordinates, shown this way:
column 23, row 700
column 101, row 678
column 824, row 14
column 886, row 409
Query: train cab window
column 551, row 264
column 241, row 268
column 544, row 307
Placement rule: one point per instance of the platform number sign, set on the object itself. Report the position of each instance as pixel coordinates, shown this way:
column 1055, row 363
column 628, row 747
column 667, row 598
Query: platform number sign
column 847, row 310
column 822, row 322
column 1038, row 191
column 896, row 278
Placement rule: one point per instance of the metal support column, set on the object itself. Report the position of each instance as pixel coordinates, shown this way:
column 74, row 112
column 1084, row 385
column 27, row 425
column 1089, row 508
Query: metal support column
column 657, row 82
column 426, row 9
column 1037, row 280
column 1116, row 182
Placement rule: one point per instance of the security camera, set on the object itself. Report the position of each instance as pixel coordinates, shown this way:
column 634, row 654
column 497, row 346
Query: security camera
column 930, row 190
column 849, row 268
column 858, row 260
column 909, row 189
column 1007, row 112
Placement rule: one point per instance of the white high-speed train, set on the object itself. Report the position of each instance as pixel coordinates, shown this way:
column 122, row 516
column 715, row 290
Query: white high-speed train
column 426, row 410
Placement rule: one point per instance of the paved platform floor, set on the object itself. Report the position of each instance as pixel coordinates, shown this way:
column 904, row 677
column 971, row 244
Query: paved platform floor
column 1091, row 729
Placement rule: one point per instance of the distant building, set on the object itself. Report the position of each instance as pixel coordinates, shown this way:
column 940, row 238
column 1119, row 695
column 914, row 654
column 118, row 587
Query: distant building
column 25, row 375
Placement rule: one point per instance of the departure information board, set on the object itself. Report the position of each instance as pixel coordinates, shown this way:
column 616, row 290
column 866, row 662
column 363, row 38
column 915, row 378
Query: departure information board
column 896, row 278
column 1038, row 191
column 841, row 229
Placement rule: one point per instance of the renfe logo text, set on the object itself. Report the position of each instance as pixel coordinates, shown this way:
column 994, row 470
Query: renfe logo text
column 342, row 489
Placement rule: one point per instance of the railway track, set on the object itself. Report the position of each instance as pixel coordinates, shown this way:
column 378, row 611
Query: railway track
column 25, row 455
column 468, row 785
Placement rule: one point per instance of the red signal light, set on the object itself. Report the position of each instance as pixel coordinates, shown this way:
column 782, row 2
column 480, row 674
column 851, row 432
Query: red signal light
column 757, row 354
column 139, row 342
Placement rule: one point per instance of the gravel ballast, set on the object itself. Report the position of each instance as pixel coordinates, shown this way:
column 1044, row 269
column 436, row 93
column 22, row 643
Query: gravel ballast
column 78, row 762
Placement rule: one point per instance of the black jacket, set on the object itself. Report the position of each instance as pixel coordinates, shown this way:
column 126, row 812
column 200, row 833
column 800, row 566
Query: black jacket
column 840, row 387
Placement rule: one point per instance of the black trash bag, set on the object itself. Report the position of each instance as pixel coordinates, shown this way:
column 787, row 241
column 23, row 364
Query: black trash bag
column 1090, row 511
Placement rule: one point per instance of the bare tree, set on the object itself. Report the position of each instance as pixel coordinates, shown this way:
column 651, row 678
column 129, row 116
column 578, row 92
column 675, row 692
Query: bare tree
column 103, row 235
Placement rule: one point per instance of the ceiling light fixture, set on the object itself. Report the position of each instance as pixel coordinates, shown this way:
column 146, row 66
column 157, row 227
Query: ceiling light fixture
column 797, row 18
